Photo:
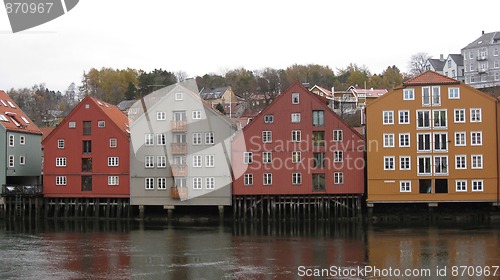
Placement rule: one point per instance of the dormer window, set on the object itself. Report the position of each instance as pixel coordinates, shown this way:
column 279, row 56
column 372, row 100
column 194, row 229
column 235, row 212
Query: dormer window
column 11, row 104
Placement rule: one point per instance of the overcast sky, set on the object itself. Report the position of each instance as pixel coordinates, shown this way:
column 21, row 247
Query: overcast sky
column 202, row 37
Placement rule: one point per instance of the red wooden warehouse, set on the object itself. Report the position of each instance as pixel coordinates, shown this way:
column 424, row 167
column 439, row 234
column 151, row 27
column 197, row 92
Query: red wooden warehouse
column 297, row 153
column 86, row 162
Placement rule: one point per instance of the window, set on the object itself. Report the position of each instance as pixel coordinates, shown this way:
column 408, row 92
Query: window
column 337, row 135
column 459, row 115
column 440, row 165
column 60, row 161
column 161, row 116
column 60, row 144
column 197, row 183
column 101, row 124
column 460, row 162
column 423, row 119
column 150, row 183
column 318, row 138
column 318, row 118
column 267, row 136
column 11, row 140
column 180, row 182
column 113, row 143
column 426, row 93
column 461, row 185
column 267, row 179
column 296, row 157
column 477, row 161
column 11, row 161
column 476, row 138
column 319, row 160
column 267, row 157
column 112, row 161
column 86, row 146
column 388, row 140
column 338, row 156
column 179, row 96
column 440, row 142
column 318, row 180
column 149, row 161
column 113, row 181
column 496, row 64
column 475, row 115
column 296, row 178
column 408, row 94
column 295, row 98
column 196, row 115
column 295, row 117
column 497, row 76
column 423, row 142
column 268, row 119
column 405, row 186
column 72, row 124
column 87, row 128
column 161, row 139
column 477, row 185
column 495, row 52
column 248, row 179
column 424, row 165
column 296, row 136
column 460, row 139
column 210, row 183
column 404, row 140
column 404, row 117
column 247, row 157
column 389, row 163
column 388, row 117
column 471, row 55
column 196, row 138
column 61, row 180
column 404, row 163
column 22, row 160
column 209, row 138
column 161, row 161
column 161, row 183
column 436, row 95
column 149, row 139
column 22, row 140
column 453, row 93
column 440, row 118
column 197, row 161
column 209, row 160
column 338, row 178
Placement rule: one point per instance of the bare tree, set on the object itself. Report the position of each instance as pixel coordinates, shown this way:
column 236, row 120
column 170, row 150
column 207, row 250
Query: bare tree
column 181, row 76
column 417, row 62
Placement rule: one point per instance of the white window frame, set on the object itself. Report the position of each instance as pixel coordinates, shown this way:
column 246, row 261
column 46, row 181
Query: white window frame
column 149, row 183
column 296, row 136
column 476, row 138
column 338, row 178
column 444, row 170
column 12, row 140
column 295, row 117
column 429, row 96
column 12, row 161
column 338, row 135
column 179, row 96
column 267, row 136
column 408, row 94
column 296, row 178
column 461, row 185
column 295, row 98
column 197, row 183
column 404, row 186
column 61, row 161
column 453, row 93
column 388, row 140
column 60, row 143
column 389, row 163
column 429, row 143
column 440, row 119
column 436, row 90
column 197, row 161
column 209, row 160
column 113, row 180
column 101, row 124
column 161, row 161
column 248, row 179
column 149, row 139
column 476, row 161
column 113, row 161
column 197, row 138
column 209, row 138
column 477, row 185
column 296, row 157
column 475, row 115
column 113, row 142
column 267, row 157
column 267, row 179
column 161, row 116
column 404, row 140
column 61, row 180
column 429, row 119
column 427, row 158
column 22, row 140
column 161, row 183
column 404, row 163
column 338, row 156
column 464, row 139
column 404, row 117
column 22, row 160
column 460, row 162
column 149, row 162
column 461, row 115
column 387, row 117
column 248, row 157
column 268, row 118
column 442, row 141
column 196, row 115
column 161, row 139
column 210, row 183
column 72, row 124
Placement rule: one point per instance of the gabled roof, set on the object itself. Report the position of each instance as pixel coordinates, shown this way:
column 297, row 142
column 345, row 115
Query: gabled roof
column 214, row 93
column 436, row 63
column 13, row 118
column 485, row 40
column 322, row 89
column 458, row 58
column 370, row 92
column 125, row 104
column 430, row 78
column 46, row 131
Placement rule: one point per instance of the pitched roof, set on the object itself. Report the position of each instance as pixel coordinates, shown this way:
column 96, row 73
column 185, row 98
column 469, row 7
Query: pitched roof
column 214, row 93
column 13, row 118
column 484, row 40
column 125, row 104
column 430, row 77
column 437, row 64
column 115, row 114
column 324, row 90
column 370, row 92
column 458, row 58
column 46, row 131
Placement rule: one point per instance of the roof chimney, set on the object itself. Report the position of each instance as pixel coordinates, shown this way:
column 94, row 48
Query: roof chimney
column 483, row 32
column 441, row 57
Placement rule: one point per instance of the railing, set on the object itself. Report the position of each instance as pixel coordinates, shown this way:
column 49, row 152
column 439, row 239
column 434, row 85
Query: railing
column 481, row 57
column 178, row 193
column 179, row 148
column 180, row 170
column 179, row 126
column 23, row 190
column 482, row 70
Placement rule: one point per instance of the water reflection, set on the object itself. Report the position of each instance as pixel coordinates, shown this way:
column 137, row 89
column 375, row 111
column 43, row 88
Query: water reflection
column 131, row 250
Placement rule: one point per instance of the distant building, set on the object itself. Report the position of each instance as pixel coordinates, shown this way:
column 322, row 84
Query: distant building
column 482, row 61
column 353, row 99
column 454, row 67
column 435, row 65
column 218, row 95
column 432, row 140
column 125, row 105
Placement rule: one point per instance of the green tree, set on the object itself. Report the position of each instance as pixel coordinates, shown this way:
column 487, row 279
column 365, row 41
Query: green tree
column 154, row 80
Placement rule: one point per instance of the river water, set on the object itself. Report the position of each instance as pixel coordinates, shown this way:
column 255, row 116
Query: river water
column 132, row 250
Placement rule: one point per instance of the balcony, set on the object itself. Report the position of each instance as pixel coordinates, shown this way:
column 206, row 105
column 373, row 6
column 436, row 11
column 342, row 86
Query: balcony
column 482, row 70
column 179, row 126
column 178, row 193
column 179, row 170
column 481, row 57
column 22, row 190
column 179, row 148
